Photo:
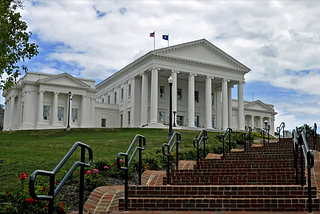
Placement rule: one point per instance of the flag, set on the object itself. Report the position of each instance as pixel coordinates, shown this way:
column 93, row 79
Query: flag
column 165, row 37
column 152, row 34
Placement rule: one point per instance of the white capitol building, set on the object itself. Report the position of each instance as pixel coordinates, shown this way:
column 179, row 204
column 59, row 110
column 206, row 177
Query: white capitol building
column 138, row 94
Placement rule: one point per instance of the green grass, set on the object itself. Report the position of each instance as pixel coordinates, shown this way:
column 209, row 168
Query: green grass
column 27, row 151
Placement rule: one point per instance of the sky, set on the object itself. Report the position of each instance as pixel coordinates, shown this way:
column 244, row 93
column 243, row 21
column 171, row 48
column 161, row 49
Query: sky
column 278, row 40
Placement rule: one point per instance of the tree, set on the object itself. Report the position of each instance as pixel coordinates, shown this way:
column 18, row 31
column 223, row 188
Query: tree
column 309, row 130
column 14, row 43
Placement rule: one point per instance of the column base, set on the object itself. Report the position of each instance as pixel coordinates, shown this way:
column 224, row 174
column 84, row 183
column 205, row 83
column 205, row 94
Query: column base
column 156, row 125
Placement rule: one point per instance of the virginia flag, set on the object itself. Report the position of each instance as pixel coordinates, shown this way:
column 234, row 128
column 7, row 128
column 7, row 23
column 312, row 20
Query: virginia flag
column 152, row 34
column 165, row 37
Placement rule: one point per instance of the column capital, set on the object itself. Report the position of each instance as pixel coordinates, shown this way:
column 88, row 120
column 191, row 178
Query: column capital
column 154, row 68
column 210, row 77
column 55, row 92
column 241, row 82
column 225, row 80
column 84, row 96
column 175, row 71
column 193, row 74
column 41, row 92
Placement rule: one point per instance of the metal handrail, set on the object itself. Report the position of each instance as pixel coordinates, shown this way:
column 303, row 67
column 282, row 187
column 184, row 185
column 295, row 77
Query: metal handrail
column 142, row 146
column 223, row 137
column 266, row 131
column 246, row 136
column 295, row 152
column 314, row 136
column 309, row 162
column 53, row 192
column 176, row 142
column 202, row 137
column 281, row 126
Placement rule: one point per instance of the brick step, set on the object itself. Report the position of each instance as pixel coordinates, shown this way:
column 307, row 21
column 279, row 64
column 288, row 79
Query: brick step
column 223, row 170
column 232, row 180
column 265, row 158
column 240, row 161
column 244, row 165
column 218, row 204
column 258, row 153
column 263, row 149
column 234, row 173
column 174, row 191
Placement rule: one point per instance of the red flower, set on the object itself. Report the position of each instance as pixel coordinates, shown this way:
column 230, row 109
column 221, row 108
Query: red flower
column 121, row 161
column 28, row 189
column 96, row 171
column 44, row 188
column 7, row 192
column 9, row 208
column 88, row 172
column 77, row 172
column 30, row 200
column 23, row 176
column 61, row 209
column 46, row 207
column 106, row 167
column 112, row 164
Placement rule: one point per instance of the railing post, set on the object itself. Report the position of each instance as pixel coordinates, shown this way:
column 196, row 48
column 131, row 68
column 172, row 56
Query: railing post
column 198, row 154
column 229, row 140
column 140, row 159
column 204, row 147
column 177, row 153
column 83, row 152
column 51, row 192
column 309, row 182
column 126, row 183
column 302, row 170
column 223, row 147
column 168, row 164
column 264, row 143
column 268, row 134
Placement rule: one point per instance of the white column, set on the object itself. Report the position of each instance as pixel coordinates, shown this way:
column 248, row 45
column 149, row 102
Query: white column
column 191, row 100
column 230, row 107
column 224, row 104
column 261, row 122
column 92, row 108
column 208, row 103
column 240, row 107
column 154, row 96
column 70, row 108
column 218, row 109
column 12, row 111
column 252, row 121
column 174, row 75
column 55, row 108
column 132, row 114
column 144, row 98
column 83, row 111
column 5, row 120
column 7, row 113
column 40, row 106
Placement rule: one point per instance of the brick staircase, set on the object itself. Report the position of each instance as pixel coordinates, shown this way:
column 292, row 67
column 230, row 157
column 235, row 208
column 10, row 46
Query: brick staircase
column 260, row 179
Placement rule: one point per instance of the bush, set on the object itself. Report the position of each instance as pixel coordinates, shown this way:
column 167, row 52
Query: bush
column 19, row 201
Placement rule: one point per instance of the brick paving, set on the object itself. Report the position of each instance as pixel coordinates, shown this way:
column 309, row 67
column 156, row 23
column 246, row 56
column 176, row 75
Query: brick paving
column 106, row 199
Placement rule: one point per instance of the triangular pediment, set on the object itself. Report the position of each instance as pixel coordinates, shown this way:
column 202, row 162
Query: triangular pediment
column 202, row 51
column 258, row 105
column 64, row 80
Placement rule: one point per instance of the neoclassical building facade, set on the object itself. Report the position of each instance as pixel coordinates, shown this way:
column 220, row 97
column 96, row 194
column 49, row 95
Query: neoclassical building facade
column 138, row 94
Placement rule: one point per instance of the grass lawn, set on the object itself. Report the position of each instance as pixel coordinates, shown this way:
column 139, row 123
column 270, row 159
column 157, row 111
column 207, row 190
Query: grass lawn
column 27, row 151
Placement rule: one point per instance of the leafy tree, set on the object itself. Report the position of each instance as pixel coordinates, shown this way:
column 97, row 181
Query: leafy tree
column 308, row 128
column 14, row 43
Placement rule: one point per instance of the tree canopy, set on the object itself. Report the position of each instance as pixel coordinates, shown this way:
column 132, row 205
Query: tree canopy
column 14, row 43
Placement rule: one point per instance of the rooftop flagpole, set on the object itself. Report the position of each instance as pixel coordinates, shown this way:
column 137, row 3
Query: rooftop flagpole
column 168, row 39
column 154, row 40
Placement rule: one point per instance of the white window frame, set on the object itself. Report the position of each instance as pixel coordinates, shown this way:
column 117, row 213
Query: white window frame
column 179, row 89
column 162, row 94
column 105, row 122
column 77, row 119
column 49, row 112
column 63, row 113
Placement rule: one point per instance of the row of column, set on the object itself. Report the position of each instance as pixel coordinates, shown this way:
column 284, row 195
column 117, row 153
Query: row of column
column 54, row 111
column 9, row 112
column 226, row 100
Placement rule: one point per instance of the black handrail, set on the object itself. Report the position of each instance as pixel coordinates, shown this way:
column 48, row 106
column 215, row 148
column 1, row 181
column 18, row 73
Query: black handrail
column 176, row 142
column 142, row 146
column 266, row 131
column 202, row 137
column 223, row 137
column 295, row 153
column 282, row 126
column 246, row 136
column 309, row 161
column 52, row 191
column 314, row 136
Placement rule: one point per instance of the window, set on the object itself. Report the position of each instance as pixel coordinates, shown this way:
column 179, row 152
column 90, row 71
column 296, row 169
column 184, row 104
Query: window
column 60, row 113
column 121, row 93
column 212, row 98
column 180, row 120
column 161, row 116
column 121, row 120
column 74, row 115
column 212, row 123
column 115, row 97
column 162, row 91
column 179, row 94
column 22, row 110
column 129, row 91
column 103, row 122
column 102, row 100
column 129, row 117
column 46, row 112
column 196, row 121
column 196, row 96
column 108, row 98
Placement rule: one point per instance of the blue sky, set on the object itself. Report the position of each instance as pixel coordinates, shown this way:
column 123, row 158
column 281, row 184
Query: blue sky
column 278, row 40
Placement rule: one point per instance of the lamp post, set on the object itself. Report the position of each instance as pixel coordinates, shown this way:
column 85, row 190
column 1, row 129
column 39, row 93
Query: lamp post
column 170, row 81
column 68, row 127
column 174, row 118
column 267, row 128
